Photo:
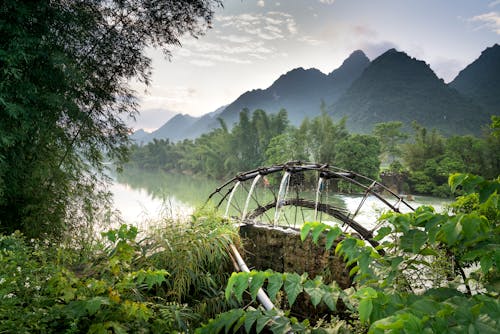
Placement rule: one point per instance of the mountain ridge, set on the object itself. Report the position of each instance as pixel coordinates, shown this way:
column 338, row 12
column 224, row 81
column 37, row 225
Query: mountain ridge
column 393, row 86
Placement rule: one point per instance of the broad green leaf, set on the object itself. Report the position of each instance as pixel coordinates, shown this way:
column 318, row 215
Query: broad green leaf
column 367, row 292
column 332, row 235
column 250, row 318
column 93, row 305
column 293, row 286
column 316, row 231
column 262, row 321
column 231, row 318
column 280, row 325
column 240, row 285
column 230, row 284
column 330, row 297
column 486, row 263
column 256, row 282
column 365, row 309
column 428, row 252
column 274, row 284
column 382, row 232
column 413, row 240
column 315, row 290
column 304, row 231
column 450, row 232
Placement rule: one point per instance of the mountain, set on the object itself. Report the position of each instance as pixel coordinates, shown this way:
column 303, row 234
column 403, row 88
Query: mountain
column 180, row 127
column 300, row 91
column 174, row 129
column 139, row 136
column 480, row 81
column 396, row 87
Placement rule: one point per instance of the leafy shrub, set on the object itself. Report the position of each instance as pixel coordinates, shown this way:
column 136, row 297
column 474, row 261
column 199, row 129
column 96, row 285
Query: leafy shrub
column 125, row 287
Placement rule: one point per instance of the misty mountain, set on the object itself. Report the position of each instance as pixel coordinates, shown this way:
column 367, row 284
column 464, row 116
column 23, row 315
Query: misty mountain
column 300, row 91
column 480, row 81
column 393, row 87
column 180, row 127
column 139, row 136
column 396, row 87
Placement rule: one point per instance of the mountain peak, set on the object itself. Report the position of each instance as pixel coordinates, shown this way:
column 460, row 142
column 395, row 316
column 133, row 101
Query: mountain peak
column 480, row 80
column 297, row 77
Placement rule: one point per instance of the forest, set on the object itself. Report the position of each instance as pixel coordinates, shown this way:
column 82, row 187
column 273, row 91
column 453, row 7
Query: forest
column 424, row 158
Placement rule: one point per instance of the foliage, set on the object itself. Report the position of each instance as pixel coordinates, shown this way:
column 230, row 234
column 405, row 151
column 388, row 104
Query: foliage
column 432, row 273
column 390, row 136
column 64, row 96
column 127, row 286
column 430, row 158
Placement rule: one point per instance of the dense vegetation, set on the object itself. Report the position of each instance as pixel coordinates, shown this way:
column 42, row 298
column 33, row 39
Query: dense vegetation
column 162, row 280
column 432, row 273
column 64, row 96
column 424, row 160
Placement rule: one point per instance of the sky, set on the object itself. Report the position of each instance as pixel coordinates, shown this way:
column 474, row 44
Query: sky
column 253, row 42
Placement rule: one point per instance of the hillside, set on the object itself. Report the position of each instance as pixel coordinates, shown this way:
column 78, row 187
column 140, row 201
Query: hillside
column 396, row 87
column 480, row 81
column 300, row 91
column 393, row 87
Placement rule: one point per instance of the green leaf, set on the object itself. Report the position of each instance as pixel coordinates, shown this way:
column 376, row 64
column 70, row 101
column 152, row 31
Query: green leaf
column 256, row 282
column 413, row 240
column 240, row 285
column 94, row 304
column 315, row 290
column 274, row 284
column 304, row 231
column 332, row 235
column 486, row 263
column 250, row 319
column 280, row 325
column 450, row 232
column 330, row 297
column 262, row 321
column 365, row 309
column 231, row 318
column 230, row 284
column 317, row 230
column 293, row 287
column 382, row 232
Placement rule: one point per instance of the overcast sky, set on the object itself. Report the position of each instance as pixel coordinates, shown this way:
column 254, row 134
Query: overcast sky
column 253, row 42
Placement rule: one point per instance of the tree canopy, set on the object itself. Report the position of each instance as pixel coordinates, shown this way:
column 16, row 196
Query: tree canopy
column 65, row 94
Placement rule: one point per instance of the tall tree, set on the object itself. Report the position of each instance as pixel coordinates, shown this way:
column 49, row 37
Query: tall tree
column 64, row 95
column 390, row 137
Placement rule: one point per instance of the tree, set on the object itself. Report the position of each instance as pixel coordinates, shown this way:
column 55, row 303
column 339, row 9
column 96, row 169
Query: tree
column 359, row 153
column 64, row 95
column 390, row 137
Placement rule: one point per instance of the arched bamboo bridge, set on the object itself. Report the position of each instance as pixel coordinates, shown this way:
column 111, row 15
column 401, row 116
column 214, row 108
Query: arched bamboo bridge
column 290, row 194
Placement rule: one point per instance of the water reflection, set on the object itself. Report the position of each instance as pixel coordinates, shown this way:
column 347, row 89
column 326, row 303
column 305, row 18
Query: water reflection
column 145, row 196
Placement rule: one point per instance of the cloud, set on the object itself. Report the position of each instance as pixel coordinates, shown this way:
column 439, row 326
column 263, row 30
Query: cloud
column 261, row 3
column 328, row 2
column 269, row 26
column 310, row 40
column 489, row 20
column 373, row 50
column 241, row 39
column 494, row 3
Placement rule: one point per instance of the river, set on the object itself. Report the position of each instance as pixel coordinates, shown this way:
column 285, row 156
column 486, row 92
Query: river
column 143, row 197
